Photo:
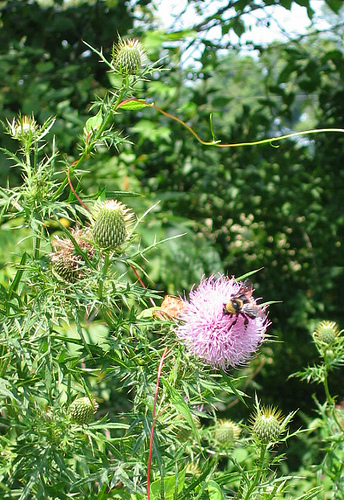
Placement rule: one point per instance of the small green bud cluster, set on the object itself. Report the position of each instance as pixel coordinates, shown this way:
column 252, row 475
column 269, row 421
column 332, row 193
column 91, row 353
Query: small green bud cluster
column 226, row 432
column 127, row 56
column 83, row 410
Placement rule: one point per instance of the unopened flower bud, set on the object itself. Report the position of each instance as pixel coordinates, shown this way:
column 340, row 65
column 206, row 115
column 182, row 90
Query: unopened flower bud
column 82, row 410
column 183, row 429
column 326, row 332
column 112, row 224
column 24, row 128
column 66, row 261
column 226, row 432
column 266, row 424
column 127, row 56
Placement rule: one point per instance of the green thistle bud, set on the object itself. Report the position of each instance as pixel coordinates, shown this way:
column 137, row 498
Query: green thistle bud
column 192, row 469
column 183, row 429
column 112, row 223
column 82, row 410
column 127, row 56
column 24, row 128
column 65, row 267
column 326, row 332
column 267, row 424
column 226, row 432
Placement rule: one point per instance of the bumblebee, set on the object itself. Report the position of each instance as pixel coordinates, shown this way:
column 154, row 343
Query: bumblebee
column 243, row 304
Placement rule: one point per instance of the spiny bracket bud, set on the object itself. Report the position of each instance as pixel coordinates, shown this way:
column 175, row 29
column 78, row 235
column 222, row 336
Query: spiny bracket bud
column 23, row 128
column 226, row 432
column 127, row 56
column 267, row 424
column 326, row 333
column 112, row 224
column 83, row 409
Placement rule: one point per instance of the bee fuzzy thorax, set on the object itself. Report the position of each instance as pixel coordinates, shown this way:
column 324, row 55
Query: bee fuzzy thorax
column 243, row 303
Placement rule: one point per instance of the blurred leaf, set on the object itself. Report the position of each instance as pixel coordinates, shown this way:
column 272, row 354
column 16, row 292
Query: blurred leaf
column 214, row 490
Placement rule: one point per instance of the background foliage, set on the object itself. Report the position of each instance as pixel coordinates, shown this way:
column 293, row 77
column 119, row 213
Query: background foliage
column 279, row 209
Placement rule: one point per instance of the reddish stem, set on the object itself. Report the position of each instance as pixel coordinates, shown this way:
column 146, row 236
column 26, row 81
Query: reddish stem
column 142, row 284
column 153, row 422
column 75, row 193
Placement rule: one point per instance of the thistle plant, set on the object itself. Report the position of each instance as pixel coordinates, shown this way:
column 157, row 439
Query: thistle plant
column 327, row 428
column 78, row 356
column 91, row 375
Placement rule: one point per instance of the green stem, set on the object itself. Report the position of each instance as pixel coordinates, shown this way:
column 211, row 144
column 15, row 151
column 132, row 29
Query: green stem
column 103, row 276
column 259, row 473
column 36, row 249
column 115, row 100
column 325, row 383
column 330, row 399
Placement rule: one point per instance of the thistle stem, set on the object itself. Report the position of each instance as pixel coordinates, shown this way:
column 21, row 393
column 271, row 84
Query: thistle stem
column 153, row 422
column 115, row 100
column 104, row 273
column 325, row 384
column 259, row 473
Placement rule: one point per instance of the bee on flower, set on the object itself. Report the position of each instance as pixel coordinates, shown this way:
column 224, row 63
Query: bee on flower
column 221, row 323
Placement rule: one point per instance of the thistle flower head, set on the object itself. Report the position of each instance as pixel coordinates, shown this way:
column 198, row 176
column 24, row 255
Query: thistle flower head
column 27, row 131
column 183, row 429
column 211, row 333
column 112, row 224
column 82, row 410
column 326, row 332
column 226, row 432
column 127, row 56
column 267, row 424
column 66, row 262
column 23, row 128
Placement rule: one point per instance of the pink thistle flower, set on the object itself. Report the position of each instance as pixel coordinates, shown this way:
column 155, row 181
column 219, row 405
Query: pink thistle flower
column 220, row 338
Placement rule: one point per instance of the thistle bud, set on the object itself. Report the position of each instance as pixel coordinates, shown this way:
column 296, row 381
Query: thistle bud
column 24, row 128
column 82, row 410
column 112, row 223
column 226, row 432
column 266, row 424
column 183, row 429
column 127, row 56
column 66, row 267
column 66, row 262
column 326, row 332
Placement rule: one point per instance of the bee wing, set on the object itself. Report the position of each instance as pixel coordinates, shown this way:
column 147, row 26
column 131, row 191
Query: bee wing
column 246, row 288
column 253, row 310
